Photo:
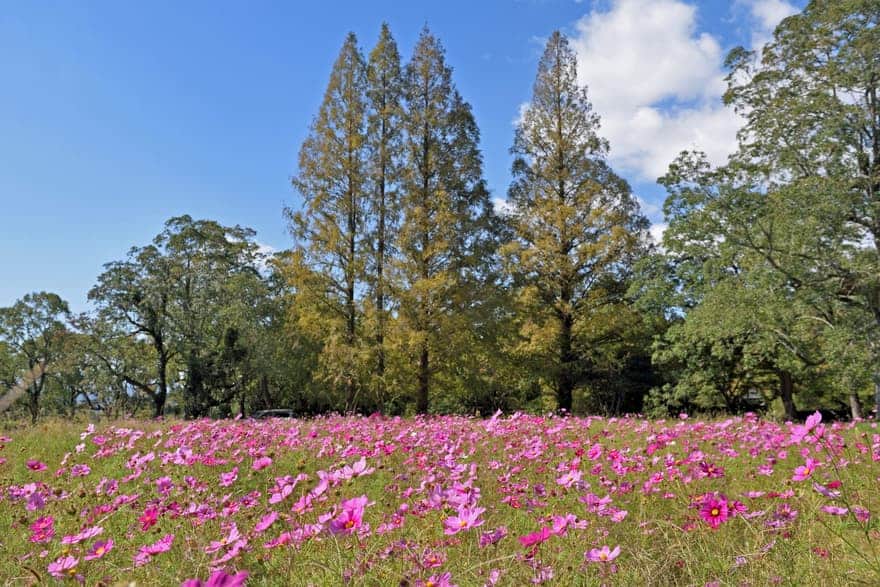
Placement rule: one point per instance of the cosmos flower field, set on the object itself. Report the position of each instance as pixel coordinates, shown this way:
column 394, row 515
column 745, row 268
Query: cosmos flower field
column 511, row 500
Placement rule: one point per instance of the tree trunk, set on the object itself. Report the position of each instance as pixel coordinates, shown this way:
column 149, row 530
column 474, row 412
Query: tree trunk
column 34, row 404
column 161, row 392
column 877, row 396
column 786, row 392
column 424, row 375
column 565, row 378
column 855, row 406
column 380, row 268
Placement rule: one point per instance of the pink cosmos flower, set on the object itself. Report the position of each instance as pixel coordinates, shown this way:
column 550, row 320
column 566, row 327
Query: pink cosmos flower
column 826, row 491
column 43, row 529
column 351, row 517
column 835, row 510
column 265, row 522
column 149, row 518
column 714, row 511
column 535, row 537
column 231, row 538
column 145, row 553
column 569, row 478
column 64, row 566
column 602, row 555
column 80, row 470
column 465, row 519
column 261, row 463
column 444, row 580
column 99, row 549
column 82, row 536
column 218, row 579
column 805, row 471
column 812, row 425
column 227, row 479
column 489, row 538
column 164, row 485
column 35, row 465
column 35, row 502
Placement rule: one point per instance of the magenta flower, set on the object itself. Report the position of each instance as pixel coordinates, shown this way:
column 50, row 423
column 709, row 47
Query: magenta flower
column 227, row 479
column 146, row 553
column 714, row 511
column 812, row 425
column 465, row 519
column 218, row 579
column 535, row 537
column 602, row 555
column 443, row 580
column 99, row 549
column 805, row 471
column 489, row 538
column 261, row 463
column 265, row 522
column 149, row 518
column 351, row 517
column 64, row 566
column 835, row 510
column 86, row 534
column 80, row 470
column 826, row 491
column 35, row 465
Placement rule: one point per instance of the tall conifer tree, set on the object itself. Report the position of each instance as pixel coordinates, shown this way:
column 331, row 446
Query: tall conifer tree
column 330, row 257
column 577, row 226
column 384, row 149
column 445, row 209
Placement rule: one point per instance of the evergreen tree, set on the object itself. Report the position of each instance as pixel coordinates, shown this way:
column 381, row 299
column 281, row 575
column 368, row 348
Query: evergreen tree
column 446, row 212
column 330, row 254
column 384, row 143
column 576, row 224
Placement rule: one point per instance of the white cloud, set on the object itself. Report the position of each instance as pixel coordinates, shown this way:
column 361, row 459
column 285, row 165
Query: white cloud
column 502, row 207
column 657, row 81
column 649, row 209
column 766, row 14
column 656, row 231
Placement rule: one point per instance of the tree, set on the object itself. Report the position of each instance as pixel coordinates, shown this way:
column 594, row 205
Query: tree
column 445, row 229
column 384, row 151
column 577, row 228
column 812, row 135
column 183, row 294
column 134, row 301
column 330, row 230
column 33, row 328
column 795, row 215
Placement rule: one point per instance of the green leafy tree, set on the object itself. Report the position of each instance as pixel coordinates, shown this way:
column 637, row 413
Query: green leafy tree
column 184, row 294
column 782, row 241
column 33, row 329
column 577, row 227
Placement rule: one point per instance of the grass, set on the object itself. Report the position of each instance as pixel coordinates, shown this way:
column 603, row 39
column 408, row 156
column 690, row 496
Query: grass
column 425, row 470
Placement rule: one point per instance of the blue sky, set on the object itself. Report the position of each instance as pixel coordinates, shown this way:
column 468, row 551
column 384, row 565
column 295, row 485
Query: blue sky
column 115, row 116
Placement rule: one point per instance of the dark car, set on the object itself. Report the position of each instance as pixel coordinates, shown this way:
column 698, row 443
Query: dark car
column 266, row 414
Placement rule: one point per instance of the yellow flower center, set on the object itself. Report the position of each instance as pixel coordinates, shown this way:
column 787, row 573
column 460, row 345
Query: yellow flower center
column 715, row 512
column 603, row 556
column 349, row 524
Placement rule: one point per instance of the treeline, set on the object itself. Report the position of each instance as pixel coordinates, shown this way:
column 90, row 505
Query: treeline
column 407, row 291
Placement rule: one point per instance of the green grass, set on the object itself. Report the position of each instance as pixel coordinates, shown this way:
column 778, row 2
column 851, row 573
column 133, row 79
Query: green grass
column 662, row 538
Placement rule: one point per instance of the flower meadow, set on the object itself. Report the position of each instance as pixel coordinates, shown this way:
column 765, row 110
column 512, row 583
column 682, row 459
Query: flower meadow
column 511, row 500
